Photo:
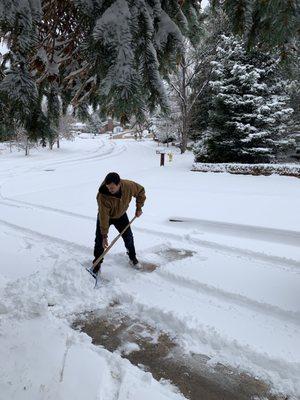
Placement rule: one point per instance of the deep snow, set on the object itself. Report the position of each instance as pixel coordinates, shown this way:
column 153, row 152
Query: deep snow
column 236, row 299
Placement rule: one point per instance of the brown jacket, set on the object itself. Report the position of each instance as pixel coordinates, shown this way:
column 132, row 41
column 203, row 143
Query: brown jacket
column 110, row 206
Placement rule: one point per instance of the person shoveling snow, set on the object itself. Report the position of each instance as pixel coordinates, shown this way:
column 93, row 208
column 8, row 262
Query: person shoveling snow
column 113, row 198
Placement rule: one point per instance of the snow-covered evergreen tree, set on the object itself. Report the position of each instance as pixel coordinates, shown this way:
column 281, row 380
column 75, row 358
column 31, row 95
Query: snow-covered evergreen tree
column 6, row 121
column 268, row 23
column 292, row 70
column 115, row 53
column 247, row 122
column 20, row 88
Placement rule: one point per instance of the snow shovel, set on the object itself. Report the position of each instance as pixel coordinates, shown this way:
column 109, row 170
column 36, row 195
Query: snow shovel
column 95, row 263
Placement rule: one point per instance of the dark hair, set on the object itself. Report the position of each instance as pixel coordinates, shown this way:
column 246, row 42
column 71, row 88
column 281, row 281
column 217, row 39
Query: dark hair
column 112, row 177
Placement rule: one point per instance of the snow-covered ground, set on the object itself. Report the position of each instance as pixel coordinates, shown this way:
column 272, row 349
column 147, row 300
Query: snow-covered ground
column 236, row 299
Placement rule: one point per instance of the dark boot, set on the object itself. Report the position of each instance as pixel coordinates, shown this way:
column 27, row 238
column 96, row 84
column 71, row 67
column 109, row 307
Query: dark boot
column 134, row 260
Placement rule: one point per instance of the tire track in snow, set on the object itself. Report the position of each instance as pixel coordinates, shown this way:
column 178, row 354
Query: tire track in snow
column 227, row 295
column 52, row 239
column 181, row 282
column 37, row 165
column 208, row 225
column 113, row 151
column 25, row 204
column 223, row 295
column 110, row 150
column 282, row 236
column 274, row 260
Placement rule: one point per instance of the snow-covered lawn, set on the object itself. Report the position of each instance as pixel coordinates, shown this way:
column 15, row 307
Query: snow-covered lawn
column 236, row 299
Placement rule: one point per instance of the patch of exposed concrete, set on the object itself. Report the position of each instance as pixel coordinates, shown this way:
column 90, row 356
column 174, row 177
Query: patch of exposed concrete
column 147, row 266
column 158, row 353
column 165, row 255
column 172, row 254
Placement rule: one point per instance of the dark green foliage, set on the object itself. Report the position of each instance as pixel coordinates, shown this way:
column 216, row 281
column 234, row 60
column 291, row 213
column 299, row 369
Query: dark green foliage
column 248, row 118
column 114, row 54
column 38, row 126
column 215, row 25
column 20, row 89
column 267, row 23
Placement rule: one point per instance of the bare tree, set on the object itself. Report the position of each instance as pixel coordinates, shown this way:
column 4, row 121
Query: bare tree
column 64, row 128
column 183, row 91
column 189, row 86
column 23, row 141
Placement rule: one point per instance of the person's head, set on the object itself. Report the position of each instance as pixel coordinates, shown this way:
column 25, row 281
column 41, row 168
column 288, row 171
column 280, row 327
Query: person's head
column 112, row 182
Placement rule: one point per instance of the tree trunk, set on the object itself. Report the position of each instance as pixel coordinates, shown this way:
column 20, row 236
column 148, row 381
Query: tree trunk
column 18, row 143
column 184, row 139
column 184, row 132
column 27, row 148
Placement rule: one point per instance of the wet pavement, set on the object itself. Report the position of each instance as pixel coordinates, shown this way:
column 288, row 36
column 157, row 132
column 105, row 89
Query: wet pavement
column 156, row 352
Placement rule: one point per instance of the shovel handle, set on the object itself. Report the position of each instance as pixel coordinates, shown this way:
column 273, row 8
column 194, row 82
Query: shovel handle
column 112, row 243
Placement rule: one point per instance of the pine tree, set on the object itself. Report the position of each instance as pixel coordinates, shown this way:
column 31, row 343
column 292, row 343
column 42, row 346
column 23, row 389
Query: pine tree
column 95, row 123
column 7, row 123
column 215, row 25
column 248, row 119
column 19, row 87
column 115, row 54
column 268, row 23
column 292, row 71
column 102, row 53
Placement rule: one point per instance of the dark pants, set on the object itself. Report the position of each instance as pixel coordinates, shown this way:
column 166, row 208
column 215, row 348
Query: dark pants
column 120, row 224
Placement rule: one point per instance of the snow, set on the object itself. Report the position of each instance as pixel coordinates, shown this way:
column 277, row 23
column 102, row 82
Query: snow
column 54, row 363
column 166, row 28
column 112, row 28
column 249, row 107
column 235, row 299
column 281, row 169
